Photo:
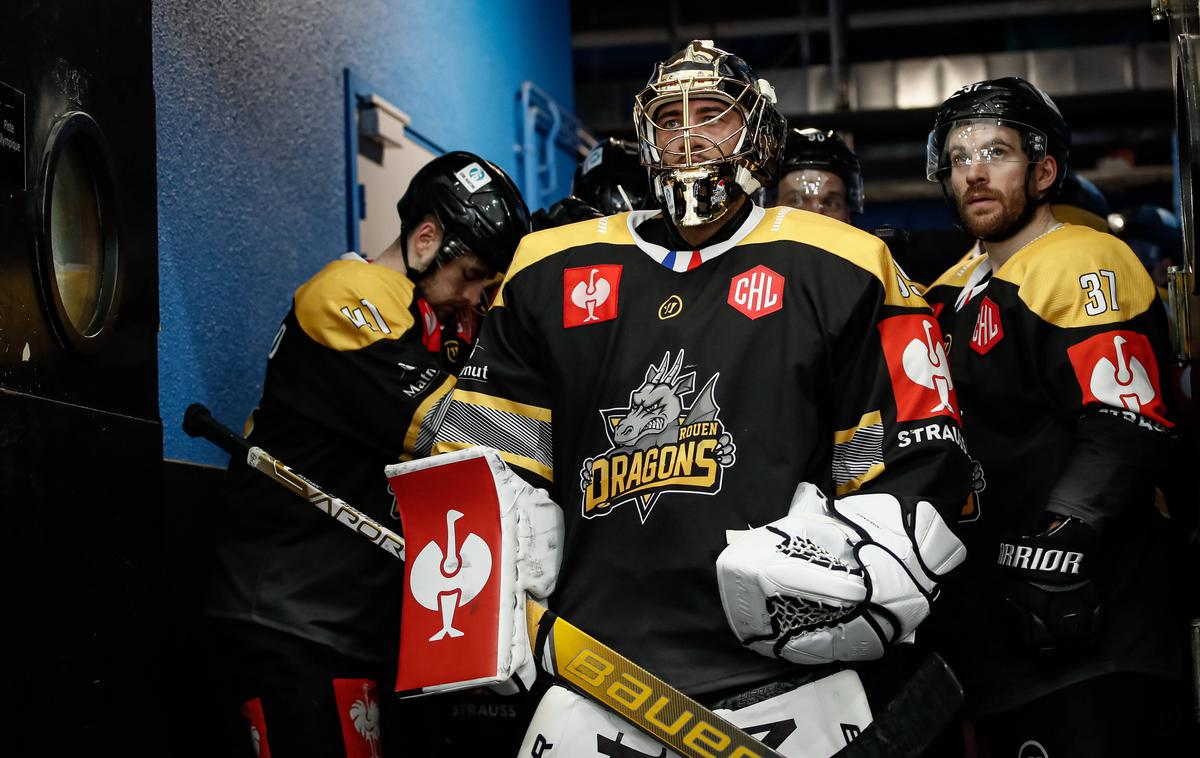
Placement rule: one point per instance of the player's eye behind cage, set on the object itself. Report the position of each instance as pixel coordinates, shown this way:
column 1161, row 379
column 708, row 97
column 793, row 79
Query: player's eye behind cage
column 975, row 141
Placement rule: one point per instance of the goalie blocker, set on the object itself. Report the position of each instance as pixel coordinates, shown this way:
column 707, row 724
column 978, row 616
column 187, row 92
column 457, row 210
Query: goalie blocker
column 479, row 539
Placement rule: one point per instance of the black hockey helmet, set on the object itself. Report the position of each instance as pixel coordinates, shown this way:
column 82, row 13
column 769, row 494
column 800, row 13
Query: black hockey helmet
column 566, row 211
column 611, row 178
column 694, row 177
column 479, row 207
column 1009, row 101
column 824, row 150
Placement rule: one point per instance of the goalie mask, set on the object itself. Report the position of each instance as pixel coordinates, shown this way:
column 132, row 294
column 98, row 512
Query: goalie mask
column 966, row 125
column 697, row 169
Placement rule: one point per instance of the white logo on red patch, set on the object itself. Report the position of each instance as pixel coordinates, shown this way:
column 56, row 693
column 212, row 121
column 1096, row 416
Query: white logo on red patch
column 756, row 293
column 988, row 329
column 590, row 294
column 918, row 366
column 358, row 706
column 1119, row 369
column 445, row 580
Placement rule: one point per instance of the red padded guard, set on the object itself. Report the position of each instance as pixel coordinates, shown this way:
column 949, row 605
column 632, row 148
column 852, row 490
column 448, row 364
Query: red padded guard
column 424, row 498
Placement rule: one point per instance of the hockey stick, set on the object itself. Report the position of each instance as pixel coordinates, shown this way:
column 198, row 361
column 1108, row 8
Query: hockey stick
column 591, row 667
column 918, row 714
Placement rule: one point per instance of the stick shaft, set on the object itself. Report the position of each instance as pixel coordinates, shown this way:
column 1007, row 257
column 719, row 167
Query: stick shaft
column 587, row 665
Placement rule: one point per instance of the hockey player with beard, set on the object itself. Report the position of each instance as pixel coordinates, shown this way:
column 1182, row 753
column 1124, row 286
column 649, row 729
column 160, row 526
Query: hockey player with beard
column 1061, row 622
column 304, row 617
column 687, row 382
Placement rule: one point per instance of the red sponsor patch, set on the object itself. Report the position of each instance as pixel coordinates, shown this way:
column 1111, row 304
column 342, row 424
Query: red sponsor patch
column 431, row 328
column 919, row 369
column 451, row 607
column 988, row 329
column 756, row 293
column 590, row 294
column 1118, row 369
column 358, row 709
column 252, row 711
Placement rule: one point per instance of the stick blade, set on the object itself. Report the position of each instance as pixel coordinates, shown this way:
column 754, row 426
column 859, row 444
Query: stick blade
column 924, row 707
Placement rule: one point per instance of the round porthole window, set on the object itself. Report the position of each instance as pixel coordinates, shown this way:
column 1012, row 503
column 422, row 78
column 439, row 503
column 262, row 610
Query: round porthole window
column 79, row 256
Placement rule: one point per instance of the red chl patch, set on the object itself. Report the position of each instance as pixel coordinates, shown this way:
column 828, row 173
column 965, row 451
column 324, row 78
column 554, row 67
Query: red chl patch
column 756, row 293
column 937, row 309
column 919, row 369
column 988, row 329
column 1118, row 369
column 431, row 327
column 358, row 709
column 449, row 624
column 252, row 711
column 590, row 294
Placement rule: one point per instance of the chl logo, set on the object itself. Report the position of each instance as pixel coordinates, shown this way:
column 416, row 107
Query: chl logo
column 988, row 329
column 756, row 293
column 445, row 580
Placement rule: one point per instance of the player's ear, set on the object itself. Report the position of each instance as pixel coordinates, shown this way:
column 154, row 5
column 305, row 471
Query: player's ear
column 424, row 243
column 1044, row 174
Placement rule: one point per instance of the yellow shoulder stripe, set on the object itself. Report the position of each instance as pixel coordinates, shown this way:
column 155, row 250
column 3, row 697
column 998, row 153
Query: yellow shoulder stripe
column 1076, row 276
column 960, row 272
column 540, row 245
column 864, row 250
column 529, row 464
column 534, row 412
column 349, row 305
column 1071, row 214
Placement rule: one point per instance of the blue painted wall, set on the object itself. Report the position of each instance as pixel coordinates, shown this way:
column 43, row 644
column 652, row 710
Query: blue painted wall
column 250, row 154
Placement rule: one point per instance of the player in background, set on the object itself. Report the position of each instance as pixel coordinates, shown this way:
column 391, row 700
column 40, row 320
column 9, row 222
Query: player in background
column 687, row 377
column 609, row 179
column 304, row 615
column 820, row 173
column 1063, row 626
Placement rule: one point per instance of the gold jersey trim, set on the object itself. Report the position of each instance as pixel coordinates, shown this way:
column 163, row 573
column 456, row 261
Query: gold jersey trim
column 1071, row 214
column 960, row 273
column 858, row 454
column 535, row 412
column 864, row 250
column 1076, row 276
column 529, row 464
column 418, row 421
column 538, row 246
column 350, row 305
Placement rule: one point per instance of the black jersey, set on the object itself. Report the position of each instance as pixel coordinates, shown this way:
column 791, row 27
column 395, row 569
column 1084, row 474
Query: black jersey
column 353, row 384
column 665, row 397
column 1058, row 359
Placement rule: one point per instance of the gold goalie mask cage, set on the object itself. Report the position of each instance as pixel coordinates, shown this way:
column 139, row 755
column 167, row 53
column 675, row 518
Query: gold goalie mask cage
column 695, row 170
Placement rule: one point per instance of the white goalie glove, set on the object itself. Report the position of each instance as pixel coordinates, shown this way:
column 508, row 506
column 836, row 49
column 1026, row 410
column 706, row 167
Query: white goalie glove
column 835, row 581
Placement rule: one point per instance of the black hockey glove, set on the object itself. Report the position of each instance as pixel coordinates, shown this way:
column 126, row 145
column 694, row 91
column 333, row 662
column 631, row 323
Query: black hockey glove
column 1049, row 592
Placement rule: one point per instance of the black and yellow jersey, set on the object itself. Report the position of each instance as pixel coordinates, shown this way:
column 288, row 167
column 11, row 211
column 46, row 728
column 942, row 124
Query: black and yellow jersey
column 354, row 382
column 1058, row 359
column 666, row 396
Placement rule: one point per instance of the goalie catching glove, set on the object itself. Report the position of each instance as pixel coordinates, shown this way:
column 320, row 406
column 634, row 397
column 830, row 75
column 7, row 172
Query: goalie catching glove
column 835, row 581
column 478, row 538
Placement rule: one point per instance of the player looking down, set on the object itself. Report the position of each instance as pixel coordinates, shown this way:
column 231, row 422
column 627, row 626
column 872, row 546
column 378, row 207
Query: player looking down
column 305, row 617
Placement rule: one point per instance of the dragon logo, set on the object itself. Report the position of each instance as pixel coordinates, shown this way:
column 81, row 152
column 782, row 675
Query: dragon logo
column 659, row 444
